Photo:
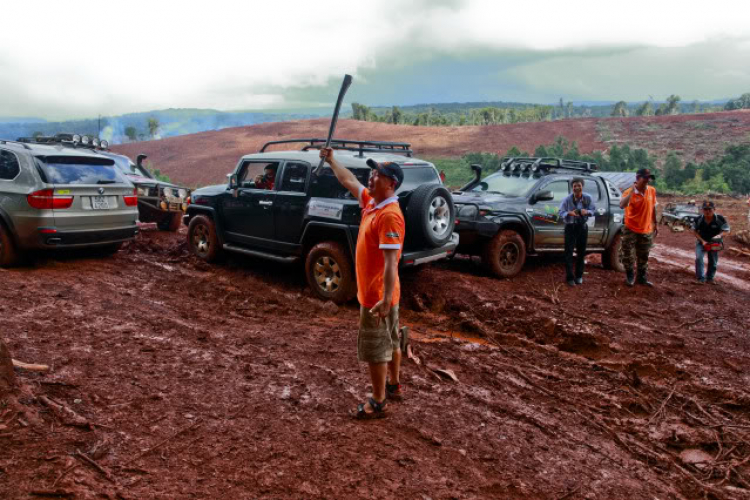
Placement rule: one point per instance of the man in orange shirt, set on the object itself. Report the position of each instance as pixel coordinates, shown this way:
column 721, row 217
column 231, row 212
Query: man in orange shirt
column 379, row 245
column 640, row 228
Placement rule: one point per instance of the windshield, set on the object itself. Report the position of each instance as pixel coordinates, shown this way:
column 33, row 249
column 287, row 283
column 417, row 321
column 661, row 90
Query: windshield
column 72, row 170
column 128, row 167
column 506, row 184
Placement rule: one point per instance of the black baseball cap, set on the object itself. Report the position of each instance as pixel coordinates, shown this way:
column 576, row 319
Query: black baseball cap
column 708, row 204
column 388, row 169
column 644, row 172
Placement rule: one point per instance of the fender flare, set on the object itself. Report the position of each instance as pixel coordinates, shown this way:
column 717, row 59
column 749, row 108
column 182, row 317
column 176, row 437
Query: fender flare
column 336, row 227
column 502, row 221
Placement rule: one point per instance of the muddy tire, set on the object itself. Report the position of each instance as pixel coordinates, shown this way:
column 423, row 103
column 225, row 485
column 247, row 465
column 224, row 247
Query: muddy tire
column 430, row 216
column 170, row 223
column 612, row 256
column 202, row 239
column 330, row 272
column 505, row 254
column 8, row 253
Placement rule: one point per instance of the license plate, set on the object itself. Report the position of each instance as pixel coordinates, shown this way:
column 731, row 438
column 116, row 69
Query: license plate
column 99, row 203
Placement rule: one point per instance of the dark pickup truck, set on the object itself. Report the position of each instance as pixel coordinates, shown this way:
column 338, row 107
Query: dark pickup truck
column 298, row 215
column 513, row 213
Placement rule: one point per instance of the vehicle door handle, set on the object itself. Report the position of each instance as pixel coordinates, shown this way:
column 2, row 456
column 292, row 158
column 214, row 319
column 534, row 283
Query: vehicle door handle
column 601, row 211
column 265, row 203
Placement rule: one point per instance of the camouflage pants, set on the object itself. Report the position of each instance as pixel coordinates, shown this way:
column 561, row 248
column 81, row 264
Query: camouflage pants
column 636, row 247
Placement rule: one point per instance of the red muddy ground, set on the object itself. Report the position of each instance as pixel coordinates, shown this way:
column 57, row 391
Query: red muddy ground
column 206, row 158
column 190, row 380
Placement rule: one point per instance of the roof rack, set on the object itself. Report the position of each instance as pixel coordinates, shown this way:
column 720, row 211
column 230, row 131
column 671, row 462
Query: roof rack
column 545, row 162
column 74, row 140
column 350, row 145
column 5, row 141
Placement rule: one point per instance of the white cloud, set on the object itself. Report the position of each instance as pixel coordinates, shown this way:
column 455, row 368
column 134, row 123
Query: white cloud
column 89, row 57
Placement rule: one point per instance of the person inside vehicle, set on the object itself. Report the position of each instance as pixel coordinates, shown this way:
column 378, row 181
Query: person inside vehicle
column 379, row 244
column 267, row 180
column 709, row 229
column 575, row 210
column 639, row 231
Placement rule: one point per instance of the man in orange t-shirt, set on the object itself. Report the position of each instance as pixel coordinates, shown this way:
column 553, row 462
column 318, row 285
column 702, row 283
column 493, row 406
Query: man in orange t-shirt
column 379, row 245
column 640, row 228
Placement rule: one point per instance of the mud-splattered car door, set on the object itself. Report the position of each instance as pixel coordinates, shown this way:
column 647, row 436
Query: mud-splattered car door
column 549, row 229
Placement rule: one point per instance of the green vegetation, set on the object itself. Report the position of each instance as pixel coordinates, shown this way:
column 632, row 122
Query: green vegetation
column 131, row 133
column 730, row 173
column 153, row 126
column 159, row 176
column 742, row 102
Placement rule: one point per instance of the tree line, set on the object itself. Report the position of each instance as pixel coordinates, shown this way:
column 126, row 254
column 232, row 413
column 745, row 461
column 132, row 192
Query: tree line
column 728, row 173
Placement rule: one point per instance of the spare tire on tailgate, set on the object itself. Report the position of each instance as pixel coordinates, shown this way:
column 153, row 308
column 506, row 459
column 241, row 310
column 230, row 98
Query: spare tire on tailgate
column 430, row 216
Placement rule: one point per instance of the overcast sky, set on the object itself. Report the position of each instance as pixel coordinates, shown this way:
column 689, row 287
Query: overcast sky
column 62, row 60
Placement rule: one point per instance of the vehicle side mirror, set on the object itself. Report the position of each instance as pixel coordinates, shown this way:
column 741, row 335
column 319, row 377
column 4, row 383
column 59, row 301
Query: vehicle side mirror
column 232, row 181
column 139, row 159
column 543, row 196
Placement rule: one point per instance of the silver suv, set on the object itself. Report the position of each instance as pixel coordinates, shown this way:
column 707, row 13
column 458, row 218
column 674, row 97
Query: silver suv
column 57, row 195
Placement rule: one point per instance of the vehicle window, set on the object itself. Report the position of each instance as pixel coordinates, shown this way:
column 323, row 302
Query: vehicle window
column 591, row 188
column 507, row 184
column 80, row 170
column 251, row 169
column 9, row 167
column 416, row 176
column 614, row 191
column 325, row 184
column 294, row 177
column 559, row 190
column 129, row 168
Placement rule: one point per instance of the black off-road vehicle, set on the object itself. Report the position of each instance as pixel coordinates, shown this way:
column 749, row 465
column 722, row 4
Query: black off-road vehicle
column 311, row 217
column 513, row 213
column 158, row 201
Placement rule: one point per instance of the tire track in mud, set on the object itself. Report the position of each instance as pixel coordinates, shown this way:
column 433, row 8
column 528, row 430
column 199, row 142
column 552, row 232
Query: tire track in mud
column 685, row 260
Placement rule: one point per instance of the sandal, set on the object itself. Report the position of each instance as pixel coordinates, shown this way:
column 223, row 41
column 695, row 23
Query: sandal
column 394, row 392
column 379, row 410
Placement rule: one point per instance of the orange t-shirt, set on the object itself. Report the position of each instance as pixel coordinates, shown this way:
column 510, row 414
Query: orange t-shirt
column 639, row 214
column 382, row 228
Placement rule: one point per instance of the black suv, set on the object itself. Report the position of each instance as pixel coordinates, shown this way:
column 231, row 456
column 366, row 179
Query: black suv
column 513, row 213
column 158, row 201
column 310, row 216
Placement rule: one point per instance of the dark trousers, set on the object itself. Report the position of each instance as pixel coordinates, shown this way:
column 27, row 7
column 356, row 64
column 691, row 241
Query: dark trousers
column 576, row 236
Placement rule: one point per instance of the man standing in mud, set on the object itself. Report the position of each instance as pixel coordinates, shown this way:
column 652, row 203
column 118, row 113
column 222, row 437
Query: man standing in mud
column 640, row 228
column 575, row 211
column 708, row 229
column 379, row 245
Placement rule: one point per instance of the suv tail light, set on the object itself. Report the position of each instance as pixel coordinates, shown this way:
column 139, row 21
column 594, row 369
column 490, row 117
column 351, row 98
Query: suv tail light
column 47, row 200
column 131, row 201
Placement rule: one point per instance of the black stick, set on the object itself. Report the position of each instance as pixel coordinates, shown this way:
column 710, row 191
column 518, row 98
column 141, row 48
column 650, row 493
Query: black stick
column 335, row 118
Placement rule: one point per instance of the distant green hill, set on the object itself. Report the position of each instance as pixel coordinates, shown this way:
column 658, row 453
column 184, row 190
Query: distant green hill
column 172, row 122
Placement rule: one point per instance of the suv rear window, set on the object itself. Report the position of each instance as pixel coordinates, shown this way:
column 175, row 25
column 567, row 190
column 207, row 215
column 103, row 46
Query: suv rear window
column 416, row 176
column 80, row 170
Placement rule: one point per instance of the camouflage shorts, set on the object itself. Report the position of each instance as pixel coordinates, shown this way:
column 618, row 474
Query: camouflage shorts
column 377, row 339
column 635, row 248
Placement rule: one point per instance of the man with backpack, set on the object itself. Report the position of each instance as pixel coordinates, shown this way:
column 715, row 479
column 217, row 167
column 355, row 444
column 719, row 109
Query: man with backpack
column 575, row 210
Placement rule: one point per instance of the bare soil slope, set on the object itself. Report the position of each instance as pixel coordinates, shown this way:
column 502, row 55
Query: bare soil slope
column 176, row 379
column 206, row 158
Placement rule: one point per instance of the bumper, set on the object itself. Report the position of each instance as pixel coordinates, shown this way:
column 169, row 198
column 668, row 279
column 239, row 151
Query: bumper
column 86, row 238
column 162, row 205
column 424, row 256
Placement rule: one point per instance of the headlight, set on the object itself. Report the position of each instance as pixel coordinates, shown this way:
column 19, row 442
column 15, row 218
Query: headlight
column 85, row 140
column 76, row 138
column 183, row 193
column 104, row 144
column 142, row 191
column 166, row 192
column 95, row 142
column 468, row 211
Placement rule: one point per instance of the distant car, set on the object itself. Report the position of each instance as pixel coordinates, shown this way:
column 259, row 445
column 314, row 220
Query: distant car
column 513, row 213
column 158, row 201
column 679, row 216
column 55, row 194
column 312, row 218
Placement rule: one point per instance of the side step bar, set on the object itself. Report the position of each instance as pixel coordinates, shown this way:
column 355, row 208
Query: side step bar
column 263, row 255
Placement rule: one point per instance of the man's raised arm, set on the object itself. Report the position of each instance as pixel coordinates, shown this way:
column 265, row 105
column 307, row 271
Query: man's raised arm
column 343, row 174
